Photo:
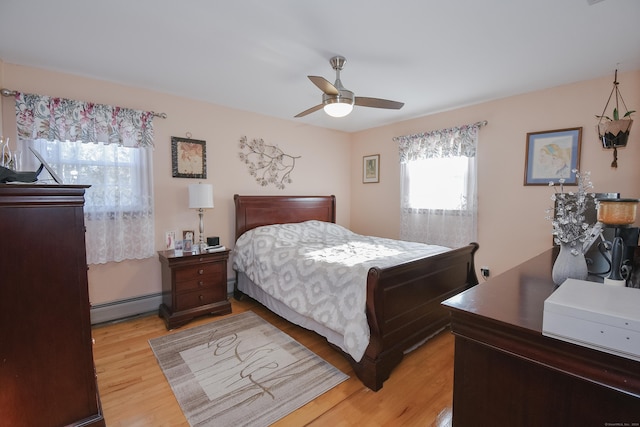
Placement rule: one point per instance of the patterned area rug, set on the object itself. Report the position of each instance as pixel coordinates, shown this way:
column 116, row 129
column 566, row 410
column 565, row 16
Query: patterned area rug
column 241, row 371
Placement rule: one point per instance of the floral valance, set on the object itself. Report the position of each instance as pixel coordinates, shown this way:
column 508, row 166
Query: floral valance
column 45, row 117
column 453, row 142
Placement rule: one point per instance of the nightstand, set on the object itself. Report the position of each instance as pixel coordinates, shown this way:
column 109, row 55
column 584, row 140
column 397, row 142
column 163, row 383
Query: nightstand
column 193, row 285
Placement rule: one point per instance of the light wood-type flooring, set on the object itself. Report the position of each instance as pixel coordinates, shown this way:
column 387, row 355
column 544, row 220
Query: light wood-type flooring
column 134, row 391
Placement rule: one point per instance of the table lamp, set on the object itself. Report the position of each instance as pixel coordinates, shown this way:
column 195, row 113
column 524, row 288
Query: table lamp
column 201, row 198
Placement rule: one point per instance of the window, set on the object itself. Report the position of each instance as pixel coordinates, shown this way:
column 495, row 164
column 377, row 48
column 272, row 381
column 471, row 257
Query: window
column 119, row 202
column 438, row 183
column 112, row 154
column 438, row 202
column 110, row 169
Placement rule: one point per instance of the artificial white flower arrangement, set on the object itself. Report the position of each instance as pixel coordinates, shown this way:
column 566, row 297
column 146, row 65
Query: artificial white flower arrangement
column 567, row 216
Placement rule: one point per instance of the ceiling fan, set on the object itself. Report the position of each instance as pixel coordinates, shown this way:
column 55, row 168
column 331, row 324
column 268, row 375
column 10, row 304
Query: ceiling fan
column 338, row 101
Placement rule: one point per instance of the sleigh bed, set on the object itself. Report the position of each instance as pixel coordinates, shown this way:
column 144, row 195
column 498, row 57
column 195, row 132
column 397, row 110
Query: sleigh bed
column 402, row 302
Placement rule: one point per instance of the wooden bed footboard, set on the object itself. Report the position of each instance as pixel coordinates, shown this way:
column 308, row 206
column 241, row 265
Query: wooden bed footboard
column 404, row 307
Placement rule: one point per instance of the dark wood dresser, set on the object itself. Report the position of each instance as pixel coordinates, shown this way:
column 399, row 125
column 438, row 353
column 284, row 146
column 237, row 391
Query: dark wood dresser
column 193, row 285
column 507, row 373
column 47, row 375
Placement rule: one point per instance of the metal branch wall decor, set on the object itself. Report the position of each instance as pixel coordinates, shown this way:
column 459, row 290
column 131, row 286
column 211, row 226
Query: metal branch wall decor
column 267, row 163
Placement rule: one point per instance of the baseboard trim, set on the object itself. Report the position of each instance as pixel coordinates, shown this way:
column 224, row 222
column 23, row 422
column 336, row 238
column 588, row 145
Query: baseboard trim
column 122, row 309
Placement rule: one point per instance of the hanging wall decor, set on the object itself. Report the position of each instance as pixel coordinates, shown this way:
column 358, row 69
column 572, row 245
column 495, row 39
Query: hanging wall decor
column 268, row 164
column 188, row 157
column 613, row 130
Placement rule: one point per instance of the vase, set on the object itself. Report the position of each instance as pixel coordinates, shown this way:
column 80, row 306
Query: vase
column 569, row 265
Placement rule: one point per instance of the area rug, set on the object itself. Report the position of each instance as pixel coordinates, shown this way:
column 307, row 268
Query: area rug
column 241, row 371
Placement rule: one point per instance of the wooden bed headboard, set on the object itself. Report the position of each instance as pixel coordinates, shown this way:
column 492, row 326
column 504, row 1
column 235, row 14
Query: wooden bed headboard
column 254, row 211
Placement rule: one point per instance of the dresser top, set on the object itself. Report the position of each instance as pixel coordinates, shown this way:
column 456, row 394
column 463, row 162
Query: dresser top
column 515, row 297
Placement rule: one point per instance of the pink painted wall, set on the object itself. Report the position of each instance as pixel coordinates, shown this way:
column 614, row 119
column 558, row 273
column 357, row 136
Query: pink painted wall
column 323, row 168
column 512, row 225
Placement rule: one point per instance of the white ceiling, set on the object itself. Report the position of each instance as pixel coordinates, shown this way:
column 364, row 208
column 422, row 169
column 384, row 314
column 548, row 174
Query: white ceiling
column 254, row 55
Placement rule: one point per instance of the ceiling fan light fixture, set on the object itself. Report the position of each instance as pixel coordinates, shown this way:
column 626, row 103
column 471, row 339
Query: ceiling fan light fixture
column 338, row 109
column 338, row 101
column 339, row 105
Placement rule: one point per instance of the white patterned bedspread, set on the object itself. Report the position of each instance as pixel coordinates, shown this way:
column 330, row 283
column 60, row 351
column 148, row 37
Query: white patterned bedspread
column 319, row 270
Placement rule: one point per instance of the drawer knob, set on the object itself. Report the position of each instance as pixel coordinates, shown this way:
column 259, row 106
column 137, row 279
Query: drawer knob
column 201, row 283
column 201, row 297
column 200, row 271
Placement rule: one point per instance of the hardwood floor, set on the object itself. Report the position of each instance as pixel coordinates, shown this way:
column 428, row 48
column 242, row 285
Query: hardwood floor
column 134, row 391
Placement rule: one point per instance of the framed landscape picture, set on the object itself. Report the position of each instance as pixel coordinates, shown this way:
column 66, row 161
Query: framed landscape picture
column 552, row 155
column 188, row 158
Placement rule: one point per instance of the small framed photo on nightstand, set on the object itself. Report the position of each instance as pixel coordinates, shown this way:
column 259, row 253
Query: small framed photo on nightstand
column 187, row 235
column 187, row 240
column 169, row 240
column 178, row 246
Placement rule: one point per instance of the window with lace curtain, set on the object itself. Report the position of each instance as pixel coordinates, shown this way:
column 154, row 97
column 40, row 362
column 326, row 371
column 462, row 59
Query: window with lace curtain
column 441, row 183
column 438, row 186
column 108, row 148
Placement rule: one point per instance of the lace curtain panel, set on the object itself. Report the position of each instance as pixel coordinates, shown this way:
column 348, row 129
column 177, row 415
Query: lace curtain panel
column 456, row 224
column 108, row 148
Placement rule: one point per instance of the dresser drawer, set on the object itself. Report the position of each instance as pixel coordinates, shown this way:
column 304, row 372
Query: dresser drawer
column 198, row 298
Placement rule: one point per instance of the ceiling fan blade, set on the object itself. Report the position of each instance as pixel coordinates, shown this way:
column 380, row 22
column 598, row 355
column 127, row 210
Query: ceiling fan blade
column 324, row 85
column 310, row 110
column 377, row 103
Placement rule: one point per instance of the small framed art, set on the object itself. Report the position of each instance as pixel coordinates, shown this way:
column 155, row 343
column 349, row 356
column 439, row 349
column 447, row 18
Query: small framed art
column 553, row 155
column 188, row 158
column 170, row 240
column 187, row 235
column 179, row 247
column 371, row 168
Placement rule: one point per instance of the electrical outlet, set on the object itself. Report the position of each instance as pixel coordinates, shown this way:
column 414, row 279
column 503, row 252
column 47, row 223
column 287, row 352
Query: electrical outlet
column 484, row 271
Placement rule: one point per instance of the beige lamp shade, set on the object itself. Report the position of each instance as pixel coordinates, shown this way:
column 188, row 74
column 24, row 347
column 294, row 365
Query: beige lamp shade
column 200, row 196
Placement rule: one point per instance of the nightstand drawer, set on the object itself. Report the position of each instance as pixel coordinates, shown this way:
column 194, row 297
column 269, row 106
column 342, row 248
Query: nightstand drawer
column 203, row 282
column 199, row 271
column 198, row 298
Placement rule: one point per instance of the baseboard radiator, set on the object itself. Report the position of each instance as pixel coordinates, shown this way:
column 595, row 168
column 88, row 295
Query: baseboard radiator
column 122, row 309
column 130, row 307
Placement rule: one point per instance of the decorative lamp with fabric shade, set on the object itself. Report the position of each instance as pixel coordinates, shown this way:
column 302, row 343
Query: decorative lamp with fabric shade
column 201, row 198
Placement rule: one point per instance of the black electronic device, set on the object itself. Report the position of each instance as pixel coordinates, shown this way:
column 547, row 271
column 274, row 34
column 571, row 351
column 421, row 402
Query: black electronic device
column 44, row 163
column 9, row 175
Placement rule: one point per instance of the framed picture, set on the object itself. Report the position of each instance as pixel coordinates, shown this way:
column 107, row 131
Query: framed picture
column 371, row 168
column 552, row 155
column 188, row 158
column 187, row 235
column 179, row 247
column 170, row 240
